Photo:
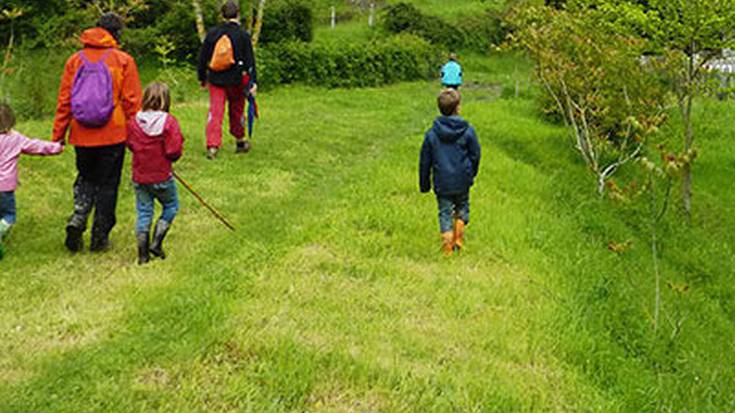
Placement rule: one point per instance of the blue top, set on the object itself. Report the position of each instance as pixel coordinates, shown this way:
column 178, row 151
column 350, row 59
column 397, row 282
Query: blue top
column 452, row 74
column 451, row 153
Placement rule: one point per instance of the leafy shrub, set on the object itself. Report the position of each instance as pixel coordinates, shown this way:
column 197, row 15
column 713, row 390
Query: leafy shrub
column 483, row 31
column 31, row 88
column 478, row 32
column 399, row 58
column 405, row 17
column 289, row 21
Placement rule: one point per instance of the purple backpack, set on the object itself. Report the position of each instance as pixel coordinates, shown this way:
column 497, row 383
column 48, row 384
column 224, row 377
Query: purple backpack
column 91, row 93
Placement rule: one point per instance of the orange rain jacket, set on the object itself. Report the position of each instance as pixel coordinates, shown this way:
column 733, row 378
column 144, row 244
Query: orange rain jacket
column 126, row 93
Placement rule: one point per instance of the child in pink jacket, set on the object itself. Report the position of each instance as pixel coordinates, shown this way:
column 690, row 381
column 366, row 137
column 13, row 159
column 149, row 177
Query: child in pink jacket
column 12, row 145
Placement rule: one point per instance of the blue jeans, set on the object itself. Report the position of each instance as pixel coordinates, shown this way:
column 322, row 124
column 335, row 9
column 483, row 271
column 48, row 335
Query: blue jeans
column 165, row 192
column 453, row 207
column 7, row 207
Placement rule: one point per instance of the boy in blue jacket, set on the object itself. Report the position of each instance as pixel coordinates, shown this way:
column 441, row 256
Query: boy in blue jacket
column 452, row 73
column 451, row 153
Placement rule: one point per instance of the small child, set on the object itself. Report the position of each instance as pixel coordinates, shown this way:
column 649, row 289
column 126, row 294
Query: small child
column 451, row 153
column 12, row 145
column 155, row 139
column 452, row 73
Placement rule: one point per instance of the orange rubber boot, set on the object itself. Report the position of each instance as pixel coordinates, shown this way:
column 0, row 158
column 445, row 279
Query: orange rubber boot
column 447, row 243
column 459, row 234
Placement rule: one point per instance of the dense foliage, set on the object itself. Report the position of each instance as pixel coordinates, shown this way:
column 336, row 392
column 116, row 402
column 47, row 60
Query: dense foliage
column 288, row 21
column 477, row 32
column 399, row 58
column 57, row 23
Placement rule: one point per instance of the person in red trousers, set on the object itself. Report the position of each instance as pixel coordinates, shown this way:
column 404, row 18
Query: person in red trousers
column 227, row 69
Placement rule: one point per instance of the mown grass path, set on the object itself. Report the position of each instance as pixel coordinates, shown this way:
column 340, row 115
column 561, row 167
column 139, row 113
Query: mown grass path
column 331, row 295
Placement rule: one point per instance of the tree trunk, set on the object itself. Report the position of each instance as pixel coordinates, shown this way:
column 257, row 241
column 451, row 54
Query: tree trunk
column 258, row 23
column 686, row 190
column 654, row 253
column 250, row 18
column 201, row 31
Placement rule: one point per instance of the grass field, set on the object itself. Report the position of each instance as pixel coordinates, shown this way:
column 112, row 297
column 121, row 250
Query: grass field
column 332, row 296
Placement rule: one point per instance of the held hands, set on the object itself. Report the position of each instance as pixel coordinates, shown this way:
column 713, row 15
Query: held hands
column 254, row 90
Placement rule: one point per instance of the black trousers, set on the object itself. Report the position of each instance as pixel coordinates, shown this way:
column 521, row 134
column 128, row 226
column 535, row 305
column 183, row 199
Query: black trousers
column 96, row 187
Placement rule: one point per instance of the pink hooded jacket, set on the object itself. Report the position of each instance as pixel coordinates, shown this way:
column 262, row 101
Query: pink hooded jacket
column 12, row 145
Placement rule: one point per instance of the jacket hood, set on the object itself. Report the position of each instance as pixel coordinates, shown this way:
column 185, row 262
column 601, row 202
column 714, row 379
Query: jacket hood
column 450, row 128
column 98, row 37
column 151, row 123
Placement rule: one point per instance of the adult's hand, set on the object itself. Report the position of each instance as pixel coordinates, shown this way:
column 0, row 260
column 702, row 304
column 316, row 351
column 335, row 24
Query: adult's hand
column 254, row 89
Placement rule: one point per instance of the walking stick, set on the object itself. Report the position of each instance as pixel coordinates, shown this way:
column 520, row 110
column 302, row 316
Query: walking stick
column 203, row 202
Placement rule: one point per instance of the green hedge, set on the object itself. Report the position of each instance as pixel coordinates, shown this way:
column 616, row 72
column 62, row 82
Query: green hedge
column 288, row 21
column 477, row 32
column 398, row 58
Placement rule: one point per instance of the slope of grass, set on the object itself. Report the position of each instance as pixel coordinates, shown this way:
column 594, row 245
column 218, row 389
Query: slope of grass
column 332, row 296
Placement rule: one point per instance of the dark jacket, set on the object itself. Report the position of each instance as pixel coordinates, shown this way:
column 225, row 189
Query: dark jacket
column 451, row 152
column 156, row 142
column 243, row 52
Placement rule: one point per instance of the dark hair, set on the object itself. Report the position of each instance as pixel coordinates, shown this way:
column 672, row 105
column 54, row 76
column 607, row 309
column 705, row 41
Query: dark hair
column 7, row 118
column 113, row 23
column 230, row 10
column 448, row 101
column 157, row 97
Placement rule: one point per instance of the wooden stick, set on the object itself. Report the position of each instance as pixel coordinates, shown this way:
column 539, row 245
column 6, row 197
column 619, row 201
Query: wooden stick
column 203, row 202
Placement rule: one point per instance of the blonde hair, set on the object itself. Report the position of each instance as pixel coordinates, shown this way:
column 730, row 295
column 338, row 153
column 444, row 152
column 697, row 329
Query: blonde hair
column 448, row 101
column 7, row 118
column 157, row 97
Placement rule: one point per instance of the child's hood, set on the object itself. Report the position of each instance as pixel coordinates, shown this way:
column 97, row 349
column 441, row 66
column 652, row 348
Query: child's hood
column 152, row 122
column 450, row 128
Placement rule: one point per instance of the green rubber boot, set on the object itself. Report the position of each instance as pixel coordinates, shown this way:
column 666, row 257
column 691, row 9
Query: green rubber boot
column 4, row 228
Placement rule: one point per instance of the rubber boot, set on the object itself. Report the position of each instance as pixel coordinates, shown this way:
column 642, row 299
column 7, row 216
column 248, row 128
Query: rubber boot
column 459, row 234
column 448, row 243
column 74, row 242
column 143, row 252
column 162, row 228
column 243, row 146
column 4, row 228
column 100, row 242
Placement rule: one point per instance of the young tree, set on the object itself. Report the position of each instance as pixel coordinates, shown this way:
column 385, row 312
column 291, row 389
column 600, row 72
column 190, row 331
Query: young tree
column 125, row 8
column 689, row 33
column 608, row 98
column 10, row 15
column 258, row 23
column 199, row 17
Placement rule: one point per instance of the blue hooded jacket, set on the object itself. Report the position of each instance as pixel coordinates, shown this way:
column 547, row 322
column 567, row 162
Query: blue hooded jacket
column 451, row 152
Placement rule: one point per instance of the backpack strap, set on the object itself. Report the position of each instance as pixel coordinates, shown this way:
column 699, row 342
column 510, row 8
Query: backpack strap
column 102, row 59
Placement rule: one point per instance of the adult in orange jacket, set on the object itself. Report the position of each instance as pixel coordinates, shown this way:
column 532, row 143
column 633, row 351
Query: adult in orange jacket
column 100, row 151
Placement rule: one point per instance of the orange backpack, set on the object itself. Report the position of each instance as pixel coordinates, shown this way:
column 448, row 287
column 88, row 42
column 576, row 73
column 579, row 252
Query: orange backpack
column 223, row 57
